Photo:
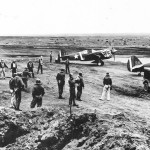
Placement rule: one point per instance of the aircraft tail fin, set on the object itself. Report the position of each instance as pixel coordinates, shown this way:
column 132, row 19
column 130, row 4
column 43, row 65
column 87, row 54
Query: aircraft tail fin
column 134, row 64
column 61, row 53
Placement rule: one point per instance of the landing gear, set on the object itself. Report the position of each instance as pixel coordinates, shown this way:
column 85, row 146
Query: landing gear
column 139, row 74
column 100, row 63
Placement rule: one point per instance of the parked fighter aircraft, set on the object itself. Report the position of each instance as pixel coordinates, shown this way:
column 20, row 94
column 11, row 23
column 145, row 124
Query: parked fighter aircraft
column 86, row 55
column 135, row 65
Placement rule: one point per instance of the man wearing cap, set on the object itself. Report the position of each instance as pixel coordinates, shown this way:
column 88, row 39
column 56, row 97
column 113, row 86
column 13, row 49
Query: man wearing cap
column 72, row 97
column 80, row 85
column 107, row 87
column 40, row 66
column 25, row 76
column 67, row 63
column 13, row 67
column 3, row 66
column 61, row 82
column 30, row 67
column 37, row 94
column 16, row 85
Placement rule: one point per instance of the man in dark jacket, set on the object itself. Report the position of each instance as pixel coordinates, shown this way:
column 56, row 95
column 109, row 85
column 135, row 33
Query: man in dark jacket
column 107, row 87
column 37, row 94
column 25, row 76
column 40, row 66
column 13, row 67
column 67, row 63
column 61, row 82
column 80, row 85
column 72, row 97
column 30, row 66
column 16, row 85
column 3, row 66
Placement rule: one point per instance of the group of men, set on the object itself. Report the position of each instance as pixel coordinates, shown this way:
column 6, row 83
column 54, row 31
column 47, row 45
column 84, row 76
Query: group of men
column 18, row 83
column 107, row 82
column 14, row 67
column 72, row 84
column 76, row 85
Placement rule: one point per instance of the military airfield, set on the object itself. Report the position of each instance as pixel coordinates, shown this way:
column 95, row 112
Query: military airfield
column 119, row 124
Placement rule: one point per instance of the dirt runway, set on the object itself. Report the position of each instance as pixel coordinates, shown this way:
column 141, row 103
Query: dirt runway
column 127, row 93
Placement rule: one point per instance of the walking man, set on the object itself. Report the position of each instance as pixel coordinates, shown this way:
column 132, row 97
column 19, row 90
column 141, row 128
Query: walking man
column 13, row 67
column 40, row 66
column 61, row 82
column 51, row 57
column 30, row 66
column 3, row 66
column 37, row 94
column 80, row 85
column 67, row 66
column 72, row 97
column 107, row 87
column 16, row 84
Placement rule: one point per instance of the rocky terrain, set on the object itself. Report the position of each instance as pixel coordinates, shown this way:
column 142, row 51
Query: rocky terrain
column 48, row 128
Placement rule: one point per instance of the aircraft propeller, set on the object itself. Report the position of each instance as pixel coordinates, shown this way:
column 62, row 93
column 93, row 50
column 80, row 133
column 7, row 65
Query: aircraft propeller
column 113, row 52
column 114, row 56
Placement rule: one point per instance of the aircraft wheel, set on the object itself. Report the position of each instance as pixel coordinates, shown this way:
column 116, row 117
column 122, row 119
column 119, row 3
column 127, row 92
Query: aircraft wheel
column 146, row 87
column 139, row 74
column 99, row 64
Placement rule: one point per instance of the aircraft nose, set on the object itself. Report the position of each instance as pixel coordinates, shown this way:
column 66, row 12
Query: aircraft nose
column 114, row 50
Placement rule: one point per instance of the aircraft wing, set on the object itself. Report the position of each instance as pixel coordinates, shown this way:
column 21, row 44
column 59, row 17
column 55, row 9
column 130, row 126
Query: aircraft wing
column 93, row 56
column 74, row 56
column 83, row 55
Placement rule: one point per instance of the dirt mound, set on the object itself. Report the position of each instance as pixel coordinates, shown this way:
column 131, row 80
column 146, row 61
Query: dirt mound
column 48, row 128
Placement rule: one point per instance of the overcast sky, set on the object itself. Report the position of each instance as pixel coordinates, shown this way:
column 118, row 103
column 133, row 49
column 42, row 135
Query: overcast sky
column 50, row 17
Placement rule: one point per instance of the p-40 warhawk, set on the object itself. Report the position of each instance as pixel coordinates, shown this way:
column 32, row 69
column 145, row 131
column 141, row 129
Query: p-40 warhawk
column 87, row 55
column 135, row 65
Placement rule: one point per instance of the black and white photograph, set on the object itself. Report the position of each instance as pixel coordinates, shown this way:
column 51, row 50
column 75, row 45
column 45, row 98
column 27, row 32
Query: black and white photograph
column 74, row 75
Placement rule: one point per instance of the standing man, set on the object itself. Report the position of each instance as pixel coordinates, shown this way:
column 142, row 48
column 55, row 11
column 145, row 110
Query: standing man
column 58, row 58
column 72, row 97
column 13, row 101
column 51, row 57
column 40, row 66
column 3, row 66
column 30, row 66
column 107, row 87
column 67, row 66
column 16, row 84
column 61, row 82
column 25, row 76
column 13, row 67
column 80, row 85
column 37, row 94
